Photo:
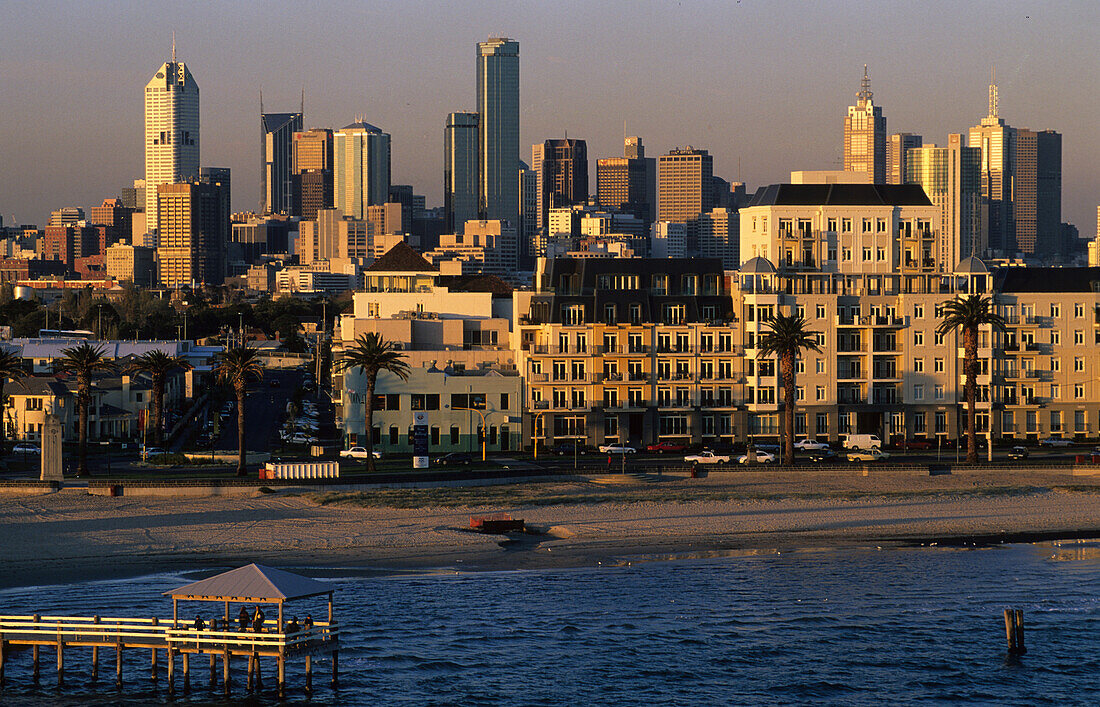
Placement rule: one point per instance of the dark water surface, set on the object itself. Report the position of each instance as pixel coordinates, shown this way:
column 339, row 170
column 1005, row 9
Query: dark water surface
column 847, row 627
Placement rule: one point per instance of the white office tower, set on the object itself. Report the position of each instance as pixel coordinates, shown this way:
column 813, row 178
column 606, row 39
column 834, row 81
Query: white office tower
column 362, row 174
column 171, row 131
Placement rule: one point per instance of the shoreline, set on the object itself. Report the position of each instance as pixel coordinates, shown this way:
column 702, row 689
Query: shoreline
column 72, row 537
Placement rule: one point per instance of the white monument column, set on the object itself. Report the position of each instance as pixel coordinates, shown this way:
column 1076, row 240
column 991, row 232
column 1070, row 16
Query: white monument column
column 51, row 449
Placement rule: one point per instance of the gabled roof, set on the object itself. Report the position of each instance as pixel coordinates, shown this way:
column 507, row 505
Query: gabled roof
column 402, row 258
column 840, row 195
column 252, row 583
column 478, row 283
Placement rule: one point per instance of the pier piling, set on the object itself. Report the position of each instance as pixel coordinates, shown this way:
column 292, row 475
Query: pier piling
column 2, row 646
column 249, row 685
column 60, row 660
column 95, row 656
column 309, row 675
column 225, row 671
column 213, row 671
column 186, row 672
column 171, row 657
column 1014, row 631
column 118, row 664
column 282, row 677
column 335, row 668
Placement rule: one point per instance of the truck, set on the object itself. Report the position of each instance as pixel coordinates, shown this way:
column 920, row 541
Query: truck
column 862, row 441
column 707, row 457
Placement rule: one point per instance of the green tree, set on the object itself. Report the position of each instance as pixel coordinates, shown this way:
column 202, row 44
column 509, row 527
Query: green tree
column 158, row 365
column 11, row 369
column 372, row 355
column 787, row 340
column 237, row 367
column 968, row 314
column 83, row 361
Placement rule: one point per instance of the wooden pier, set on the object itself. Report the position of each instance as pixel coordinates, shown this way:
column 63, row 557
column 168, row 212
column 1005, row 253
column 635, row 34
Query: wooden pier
column 167, row 640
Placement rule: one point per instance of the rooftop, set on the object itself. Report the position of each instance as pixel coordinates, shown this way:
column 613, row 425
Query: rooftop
column 840, row 195
column 402, row 258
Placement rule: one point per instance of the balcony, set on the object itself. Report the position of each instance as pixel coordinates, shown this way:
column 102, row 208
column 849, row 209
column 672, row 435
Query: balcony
column 849, row 374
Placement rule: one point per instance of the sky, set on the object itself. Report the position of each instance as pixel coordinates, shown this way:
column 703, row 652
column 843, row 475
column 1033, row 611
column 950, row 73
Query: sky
column 762, row 84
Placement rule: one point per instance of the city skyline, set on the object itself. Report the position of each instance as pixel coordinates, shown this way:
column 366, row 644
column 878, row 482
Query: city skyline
column 743, row 110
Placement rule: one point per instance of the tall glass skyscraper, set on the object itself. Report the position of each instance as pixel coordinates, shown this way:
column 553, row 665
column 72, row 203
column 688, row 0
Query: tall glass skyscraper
column 498, row 129
column 460, row 184
column 361, row 154
column 865, row 135
column 171, row 131
column 276, row 160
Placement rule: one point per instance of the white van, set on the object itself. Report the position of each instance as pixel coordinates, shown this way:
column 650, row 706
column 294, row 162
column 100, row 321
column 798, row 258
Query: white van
column 862, row 442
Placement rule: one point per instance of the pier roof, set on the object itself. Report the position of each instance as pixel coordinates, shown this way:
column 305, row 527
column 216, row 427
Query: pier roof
column 252, row 583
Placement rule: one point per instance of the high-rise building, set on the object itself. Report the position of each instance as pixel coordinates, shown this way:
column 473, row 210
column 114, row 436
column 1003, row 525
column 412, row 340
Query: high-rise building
column 460, row 183
column 865, row 135
column 528, row 214
column 685, row 184
column 997, row 143
column 277, row 132
column 194, row 218
column 171, row 131
column 628, row 183
column 498, row 129
column 561, row 174
column 312, row 162
column 896, row 149
column 362, row 168
column 66, row 216
column 951, row 177
column 1037, row 202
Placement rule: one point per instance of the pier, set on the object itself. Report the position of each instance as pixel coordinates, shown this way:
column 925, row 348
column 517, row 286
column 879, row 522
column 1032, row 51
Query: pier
column 170, row 639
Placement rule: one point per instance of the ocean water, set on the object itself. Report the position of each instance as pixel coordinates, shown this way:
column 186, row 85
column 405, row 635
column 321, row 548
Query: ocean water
column 845, row 627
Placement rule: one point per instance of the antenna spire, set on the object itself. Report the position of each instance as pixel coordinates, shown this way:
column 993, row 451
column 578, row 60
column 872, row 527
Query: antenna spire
column 302, row 109
column 993, row 92
column 865, row 94
column 261, row 101
column 173, row 46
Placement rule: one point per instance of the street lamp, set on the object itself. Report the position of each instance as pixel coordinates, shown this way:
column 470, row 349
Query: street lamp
column 484, row 428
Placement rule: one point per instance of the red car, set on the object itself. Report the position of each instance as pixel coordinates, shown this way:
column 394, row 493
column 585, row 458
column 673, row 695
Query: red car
column 667, row 447
column 917, row 444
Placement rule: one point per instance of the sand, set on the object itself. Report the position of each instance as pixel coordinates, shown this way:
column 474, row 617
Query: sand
column 71, row 536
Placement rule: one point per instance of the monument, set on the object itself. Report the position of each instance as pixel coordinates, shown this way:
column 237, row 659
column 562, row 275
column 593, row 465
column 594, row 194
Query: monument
column 51, row 449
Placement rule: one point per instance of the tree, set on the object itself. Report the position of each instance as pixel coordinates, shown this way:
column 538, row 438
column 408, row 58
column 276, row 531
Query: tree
column 372, row 355
column 237, row 367
column 83, row 361
column 158, row 365
column 967, row 314
column 11, row 368
column 787, row 340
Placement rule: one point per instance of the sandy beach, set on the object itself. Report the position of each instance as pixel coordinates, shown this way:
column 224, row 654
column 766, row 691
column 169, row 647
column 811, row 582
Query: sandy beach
column 71, row 536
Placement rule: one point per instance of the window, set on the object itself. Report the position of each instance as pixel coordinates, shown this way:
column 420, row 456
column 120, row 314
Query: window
column 866, row 225
column 918, row 338
column 831, row 225
column 1055, row 338
column 918, row 365
column 1078, row 364
column 504, row 401
column 820, row 393
column 1055, row 420
column 674, row 313
column 918, row 392
column 918, row 422
column 1055, row 311
column 820, row 311
column 1055, row 391
column 939, row 392
column 1078, row 338
column 1078, row 391
column 660, row 284
column 880, row 254
column 429, row 401
column 1080, row 422
column 939, row 339
column 918, row 311
column 847, row 253
column 937, row 365
column 1078, row 310
column 610, row 314
column 820, row 365
column 34, row 403
column 1055, row 364
column 941, row 422
column 821, row 423
column 866, row 253
column 635, row 313
column 799, row 393
column 846, row 225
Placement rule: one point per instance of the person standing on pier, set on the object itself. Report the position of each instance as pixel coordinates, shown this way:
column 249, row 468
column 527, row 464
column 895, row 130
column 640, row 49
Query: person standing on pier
column 200, row 625
column 258, row 620
column 243, row 618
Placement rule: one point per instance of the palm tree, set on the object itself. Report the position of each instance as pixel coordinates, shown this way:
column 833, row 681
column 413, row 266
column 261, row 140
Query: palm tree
column 158, row 365
column 11, row 368
column 786, row 340
column 83, row 361
column 967, row 314
column 237, row 367
column 372, row 355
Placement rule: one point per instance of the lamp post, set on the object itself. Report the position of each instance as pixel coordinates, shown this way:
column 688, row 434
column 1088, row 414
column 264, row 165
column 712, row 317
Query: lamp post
column 484, row 428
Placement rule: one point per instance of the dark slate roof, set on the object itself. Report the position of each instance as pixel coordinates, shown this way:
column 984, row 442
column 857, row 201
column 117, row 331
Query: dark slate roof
column 37, row 385
column 840, row 195
column 364, row 126
column 252, row 583
column 274, row 121
column 478, row 283
column 1047, row 280
column 402, row 258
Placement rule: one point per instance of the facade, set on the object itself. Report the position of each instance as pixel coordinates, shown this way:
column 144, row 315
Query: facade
column 312, row 165
column 362, row 168
column 718, row 236
column 951, row 177
column 561, row 173
column 460, row 182
column 171, row 131
column 334, row 236
column 628, row 183
column 498, row 129
column 1037, row 205
column 897, row 149
column 997, row 141
column 865, row 135
column 194, row 232
column 131, row 262
column 685, row 184
column 529, row 214
column 277, row 160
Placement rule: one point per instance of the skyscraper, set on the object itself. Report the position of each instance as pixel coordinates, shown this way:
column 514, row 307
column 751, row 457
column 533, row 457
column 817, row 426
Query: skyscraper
column 362, row 173
column 528, row 230
column 561, row 173
column 896, row 148
column 997, row 143
column 685, row 184
column 171, row 131
column 951, row 177
column 865, row 135
column 1037, row 202
column 628, row 183
column 276, row 161
column 194, row 232
column 460, row 181
column 311, row 166
column 498, row 129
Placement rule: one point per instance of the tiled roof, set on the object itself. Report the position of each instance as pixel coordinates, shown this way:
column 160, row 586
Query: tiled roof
column 402, row 258
column 840, row 195
column 252, row 583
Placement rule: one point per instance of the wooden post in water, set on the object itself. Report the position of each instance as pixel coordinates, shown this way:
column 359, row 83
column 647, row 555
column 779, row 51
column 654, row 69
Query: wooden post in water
column 171, row 669
column 1, row 660
column 259, row 677
column 1014, row 631
column 251, row 670
column 34, row 652
column 1020, row 632
column 335, row 668
column 118, row 662
column 213, row 672
column 225, row 669
column 60, row 658
column 282, row 676
column 186, row 672
column 153, row 666
column 95, row 655
column 309, row 674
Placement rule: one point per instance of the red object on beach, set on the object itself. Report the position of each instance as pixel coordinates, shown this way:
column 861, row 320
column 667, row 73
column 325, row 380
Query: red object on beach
column 496, row 523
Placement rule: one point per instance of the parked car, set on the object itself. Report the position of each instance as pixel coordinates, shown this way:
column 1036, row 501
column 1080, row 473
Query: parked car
column 1018, row 452
column 563, row 449
column 147, row 452
column 823, row 456
column 359, row 453
column 617, row 449
column 862, row 441
column 809, row 445
column 918, row 443
column 663, row 447
column 867, row 455
column 761, row 458
column 454, row 459
column 300, row 438
column 707, row 457
column 26, row 448
column 1055, row 442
